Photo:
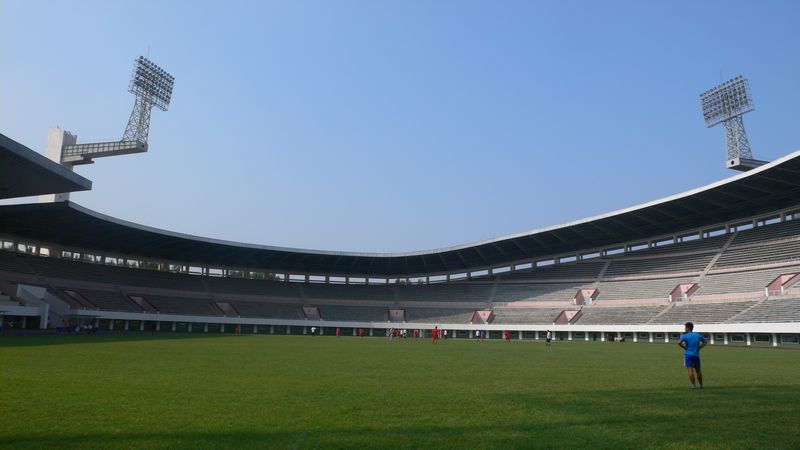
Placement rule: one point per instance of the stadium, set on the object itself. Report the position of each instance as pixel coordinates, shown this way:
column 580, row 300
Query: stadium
column 115, row 333
column 726, row 256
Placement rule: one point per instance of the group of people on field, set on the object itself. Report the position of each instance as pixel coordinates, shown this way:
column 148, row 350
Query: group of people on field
column 690, row 342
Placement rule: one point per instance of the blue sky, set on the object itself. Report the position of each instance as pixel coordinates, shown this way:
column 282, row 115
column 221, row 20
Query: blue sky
column 397, row 125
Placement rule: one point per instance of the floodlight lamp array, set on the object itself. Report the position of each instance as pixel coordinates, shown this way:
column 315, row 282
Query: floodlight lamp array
column 152, row 83
column 726, row 101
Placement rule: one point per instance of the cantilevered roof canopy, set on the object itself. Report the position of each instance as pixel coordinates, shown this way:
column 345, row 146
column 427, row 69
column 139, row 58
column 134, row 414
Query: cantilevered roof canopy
column 774, row 186
column 24, row 173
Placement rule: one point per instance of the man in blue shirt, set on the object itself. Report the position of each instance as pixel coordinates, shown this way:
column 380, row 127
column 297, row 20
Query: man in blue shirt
column 691, row 343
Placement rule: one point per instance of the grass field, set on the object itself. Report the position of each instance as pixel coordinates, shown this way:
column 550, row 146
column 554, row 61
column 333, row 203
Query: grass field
column 321, row 392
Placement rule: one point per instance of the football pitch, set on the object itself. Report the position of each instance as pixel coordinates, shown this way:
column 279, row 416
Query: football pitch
column 185, row 391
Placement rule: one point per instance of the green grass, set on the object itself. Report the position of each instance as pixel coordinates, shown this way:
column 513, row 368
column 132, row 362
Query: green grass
column 321, row 392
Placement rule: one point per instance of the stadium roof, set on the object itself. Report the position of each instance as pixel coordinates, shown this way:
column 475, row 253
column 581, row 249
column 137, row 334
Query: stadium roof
column 772, row 187
column 24, row 172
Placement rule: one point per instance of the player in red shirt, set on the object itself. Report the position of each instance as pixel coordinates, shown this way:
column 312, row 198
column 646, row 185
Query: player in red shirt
column 361, row 333
column 508, row 336
column 435, row 334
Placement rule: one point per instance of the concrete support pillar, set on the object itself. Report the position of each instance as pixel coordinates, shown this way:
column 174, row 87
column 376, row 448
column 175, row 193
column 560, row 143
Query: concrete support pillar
column 569, row 335
column 355, row 331
column 24, row 322
column 127, row 324
column 536, row 335
column 749, row 342
column 205, row 328
column 586, row 336
column 650, row 337
column 774, row 340
column 174, row 326
column 712, row 339
column 56, row 140
column 635, row 337
column 255, row 329
column 288, row 329
column 305, row 330
column 602, row 336
column 190, row 327
column 141, row 326
column 520, row 335
column 110, row 324
column 158, row 325
column 272, row 329
column 666, row 337
column 371, row 332
column 725, row 339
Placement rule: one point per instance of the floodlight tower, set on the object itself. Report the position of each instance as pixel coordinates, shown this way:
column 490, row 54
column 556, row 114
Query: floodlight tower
column 726, row 104
column 152, row 86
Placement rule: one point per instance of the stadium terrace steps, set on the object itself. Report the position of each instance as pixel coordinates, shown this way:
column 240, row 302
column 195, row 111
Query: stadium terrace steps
column 184, row 305
column 760, row 254
column 771, row 310
column 536, row 292
column 744, row 281
column 632, row 290
column 108, row 300
column 732, row 261
column 355, row 313
column 768, row 232
column 672, row 264
column 439, row 315
column 582, row 270
column 268, row 310
column 14, row 262
column 709, row 244
column 66, row 269
column 154, row 279
column 701, row 312
column 593, row 315
column 384, row 293
column 514, row 316
column 443, row 292
column 243, row 286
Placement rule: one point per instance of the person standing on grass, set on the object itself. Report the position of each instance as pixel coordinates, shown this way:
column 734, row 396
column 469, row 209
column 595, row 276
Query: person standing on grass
column 549, row 337
column 691, row 343
column 338, row 331
column 435, row 333
column 508, row 336
column 361, row 333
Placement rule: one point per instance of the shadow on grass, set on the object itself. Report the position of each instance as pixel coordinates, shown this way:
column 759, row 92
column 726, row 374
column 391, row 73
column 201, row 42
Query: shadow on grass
column 7, row 340
column 720, row 417
column 733, row 416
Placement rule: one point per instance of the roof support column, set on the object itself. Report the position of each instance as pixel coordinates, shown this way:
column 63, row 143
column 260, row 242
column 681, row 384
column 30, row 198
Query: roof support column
column 56, row 140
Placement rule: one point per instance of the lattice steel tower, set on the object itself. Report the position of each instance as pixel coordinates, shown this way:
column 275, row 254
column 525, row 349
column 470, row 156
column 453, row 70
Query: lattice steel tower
column 152, row 86
column 726, row 104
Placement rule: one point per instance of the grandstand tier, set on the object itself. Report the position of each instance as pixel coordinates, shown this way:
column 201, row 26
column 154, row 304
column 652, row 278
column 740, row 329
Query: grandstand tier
column 61, row 262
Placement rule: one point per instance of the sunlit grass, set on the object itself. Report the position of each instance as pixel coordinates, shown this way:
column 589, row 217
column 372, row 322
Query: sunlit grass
column 303, row 392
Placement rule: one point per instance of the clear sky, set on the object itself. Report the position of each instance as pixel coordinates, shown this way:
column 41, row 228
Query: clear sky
column 397, row 125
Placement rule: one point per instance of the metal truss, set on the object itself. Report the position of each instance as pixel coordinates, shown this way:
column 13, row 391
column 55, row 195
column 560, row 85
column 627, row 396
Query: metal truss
column 736, row 138
column 139, row 123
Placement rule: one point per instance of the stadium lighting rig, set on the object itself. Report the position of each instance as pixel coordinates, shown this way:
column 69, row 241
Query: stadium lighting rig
column 152, row 87
column 725, row 104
